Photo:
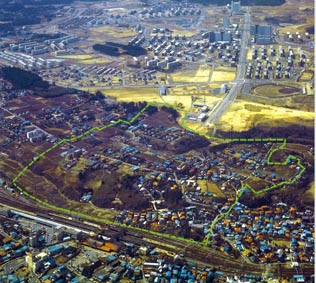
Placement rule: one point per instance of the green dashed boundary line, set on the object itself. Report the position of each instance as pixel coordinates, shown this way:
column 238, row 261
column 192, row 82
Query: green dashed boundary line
column 120, row 121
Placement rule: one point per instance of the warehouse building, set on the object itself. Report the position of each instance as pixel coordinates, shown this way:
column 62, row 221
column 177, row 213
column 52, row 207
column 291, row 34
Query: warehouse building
column 262, row 34
column 235, row 7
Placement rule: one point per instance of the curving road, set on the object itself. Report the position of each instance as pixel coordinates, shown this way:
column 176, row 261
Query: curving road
column 222, row 106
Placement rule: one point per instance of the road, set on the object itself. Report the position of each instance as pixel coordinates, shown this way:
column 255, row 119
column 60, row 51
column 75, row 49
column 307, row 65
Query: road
column 223, row 105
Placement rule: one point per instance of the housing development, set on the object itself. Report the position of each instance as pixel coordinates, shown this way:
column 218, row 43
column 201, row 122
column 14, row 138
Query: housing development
column 157, row 142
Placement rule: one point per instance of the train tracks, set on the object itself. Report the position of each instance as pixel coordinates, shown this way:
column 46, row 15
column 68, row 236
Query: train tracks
column 190, row 250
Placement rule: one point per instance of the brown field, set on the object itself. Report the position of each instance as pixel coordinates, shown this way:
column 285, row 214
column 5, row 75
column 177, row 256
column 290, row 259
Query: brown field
column 201, row 75
column 307, row 76
column 149, row 94
column 298, row 102
column 276, row 90
column 299, row 23
column 210, row 187
column 257, row 184
column 242, row 116
column 308, row 196
column 222, row 74
column 112, row 31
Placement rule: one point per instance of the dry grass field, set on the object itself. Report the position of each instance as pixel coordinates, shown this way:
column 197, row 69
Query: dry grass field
column 307, row 75
column 210, row 187
column 114, row 32
column 181, row 32
column 223, row 74
column 86, row 58
column 294, row 16
column 277, row 90
column 309, row 195
column 243, row 115
column 136, row 94
column 201, row 75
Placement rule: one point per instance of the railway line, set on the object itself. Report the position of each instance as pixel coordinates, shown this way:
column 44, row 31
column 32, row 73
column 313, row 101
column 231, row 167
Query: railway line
column 189, row 250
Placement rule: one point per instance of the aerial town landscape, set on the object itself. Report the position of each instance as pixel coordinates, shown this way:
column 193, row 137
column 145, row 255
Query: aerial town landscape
column 157, row 141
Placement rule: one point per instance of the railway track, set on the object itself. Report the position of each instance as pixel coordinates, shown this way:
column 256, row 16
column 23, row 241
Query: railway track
column 191, row 251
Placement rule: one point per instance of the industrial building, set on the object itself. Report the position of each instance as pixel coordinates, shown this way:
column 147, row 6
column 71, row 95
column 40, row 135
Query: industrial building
column 262, row 34
column 235, row 7
column 35, row 135
column 220, row 36
column 226, row 22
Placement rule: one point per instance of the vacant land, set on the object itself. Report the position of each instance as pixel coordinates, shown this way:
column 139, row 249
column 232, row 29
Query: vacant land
column 112, row 31
column 308, row 196
column 201, row 75
column 86, row 58
column 243, row 115
column 181, row 32
column 277, row 90
column 306, row 76
column 136, row 94
column 284, row 17
column 298, row 102
column 223, row 74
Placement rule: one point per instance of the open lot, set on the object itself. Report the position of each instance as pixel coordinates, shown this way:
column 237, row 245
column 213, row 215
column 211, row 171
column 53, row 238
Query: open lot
column 201, row 75
column 277, row 90
column 134, row 94
column 86, row 59
column 223, row 74
column 115, row 32
column 303, row 11
column 242, row 116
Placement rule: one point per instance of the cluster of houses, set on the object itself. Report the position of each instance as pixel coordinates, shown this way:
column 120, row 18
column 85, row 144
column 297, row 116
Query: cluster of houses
column 29, row 62
column 59, row 45
column 297, row 37
column 78, row 120
column 169, row 51
column 10, row 245
column 123, row 261
column 16, row 127
column 257, row 233
column 91, row 74
column 92, row 258
column 278, row 64
column 95, row 17
column 101, row 257
column 169, row 10
column 19, row 130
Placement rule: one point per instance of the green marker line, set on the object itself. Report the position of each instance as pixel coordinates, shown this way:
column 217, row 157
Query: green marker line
column 182, row 123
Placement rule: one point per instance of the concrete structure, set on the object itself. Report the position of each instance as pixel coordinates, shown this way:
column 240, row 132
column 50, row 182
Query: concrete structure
column 235, row 7
column 35, row 135
column 219, row 36
column 262, row 34
column 226, row 23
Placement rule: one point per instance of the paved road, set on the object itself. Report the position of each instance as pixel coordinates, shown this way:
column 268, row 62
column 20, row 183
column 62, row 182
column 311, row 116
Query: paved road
column 222, row 106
